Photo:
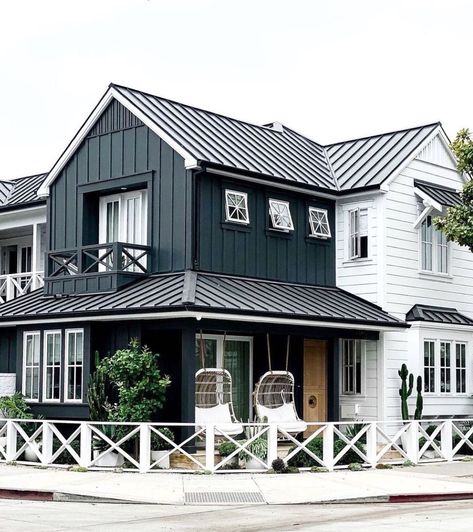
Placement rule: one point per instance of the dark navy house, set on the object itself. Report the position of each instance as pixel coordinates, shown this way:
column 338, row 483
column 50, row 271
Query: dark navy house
column 169, row 224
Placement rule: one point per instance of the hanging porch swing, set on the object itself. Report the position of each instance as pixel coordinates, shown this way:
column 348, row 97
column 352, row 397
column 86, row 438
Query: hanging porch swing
column 274, row 397
column 213, row 398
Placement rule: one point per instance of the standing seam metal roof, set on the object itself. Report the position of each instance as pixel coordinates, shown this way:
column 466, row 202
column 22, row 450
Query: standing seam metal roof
column 210, row 292
column 21, row 191
column 445, row 315
column 445, row 196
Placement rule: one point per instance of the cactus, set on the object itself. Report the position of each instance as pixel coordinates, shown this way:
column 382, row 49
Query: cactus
column 405, row 391
column 419, row 400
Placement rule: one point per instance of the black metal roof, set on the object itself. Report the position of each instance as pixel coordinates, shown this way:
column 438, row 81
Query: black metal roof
column 207, row 293
column 369, row 161
column 443, row 195
column 21, row 192
column 438, row 315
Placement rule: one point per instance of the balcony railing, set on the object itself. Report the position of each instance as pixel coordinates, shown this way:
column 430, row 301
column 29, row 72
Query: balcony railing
column 99, row 258
column 18, row 284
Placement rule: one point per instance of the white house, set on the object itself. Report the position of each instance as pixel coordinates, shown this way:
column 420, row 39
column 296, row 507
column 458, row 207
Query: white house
column 389, row 253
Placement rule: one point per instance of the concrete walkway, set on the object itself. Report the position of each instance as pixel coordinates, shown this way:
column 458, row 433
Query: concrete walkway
column 451, row 480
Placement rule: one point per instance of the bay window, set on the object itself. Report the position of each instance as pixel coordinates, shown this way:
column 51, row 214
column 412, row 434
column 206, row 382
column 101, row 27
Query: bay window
column 445, row 364
column 429, row 366
column 445, row 367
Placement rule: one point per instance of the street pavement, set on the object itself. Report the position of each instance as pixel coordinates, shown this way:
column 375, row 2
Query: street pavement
column 304, row 488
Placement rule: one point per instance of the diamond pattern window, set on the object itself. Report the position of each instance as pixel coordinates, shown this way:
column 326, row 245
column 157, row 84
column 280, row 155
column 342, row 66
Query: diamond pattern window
column 280, row 214
column 236, row 207
column 318, row 221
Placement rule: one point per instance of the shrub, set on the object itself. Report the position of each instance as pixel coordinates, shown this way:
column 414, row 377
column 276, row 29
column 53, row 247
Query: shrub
column 258, row 447
column 355, row 467
column 226, row 448
column 15, row 407
column 302, row 459
column 160, row 444
column 65, row 457
column 278, row 465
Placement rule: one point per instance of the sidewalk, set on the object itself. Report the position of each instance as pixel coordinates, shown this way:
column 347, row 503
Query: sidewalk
column 446, row 480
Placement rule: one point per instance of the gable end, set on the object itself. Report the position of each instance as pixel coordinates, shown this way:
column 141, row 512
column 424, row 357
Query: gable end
column 114, row 118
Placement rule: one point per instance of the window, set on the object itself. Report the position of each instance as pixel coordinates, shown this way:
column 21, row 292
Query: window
column 460, row 365
column 358, row 233
column 280, row 214
column 351, row 367
column 445, row 367
column 52, row 366
column 74, row 362
column 429, row 366
column 434, row 248
column 235, row 354
column 236, row 207
column 318, row 221
column 31, row 357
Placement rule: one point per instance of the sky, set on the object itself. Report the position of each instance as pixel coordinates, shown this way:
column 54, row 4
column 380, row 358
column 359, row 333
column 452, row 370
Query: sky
column 332, row 70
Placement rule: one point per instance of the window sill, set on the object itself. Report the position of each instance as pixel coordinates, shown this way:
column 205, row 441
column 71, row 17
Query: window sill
column 435, row 275
column 358, row 261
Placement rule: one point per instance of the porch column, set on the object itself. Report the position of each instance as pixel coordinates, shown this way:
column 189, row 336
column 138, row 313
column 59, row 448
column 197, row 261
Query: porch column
column 188, row 369
column 36, row 255
column 333, row 371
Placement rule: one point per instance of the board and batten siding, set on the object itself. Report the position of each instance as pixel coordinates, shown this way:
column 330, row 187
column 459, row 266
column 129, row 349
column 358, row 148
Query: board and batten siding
column 363, row 407
column 119, row 146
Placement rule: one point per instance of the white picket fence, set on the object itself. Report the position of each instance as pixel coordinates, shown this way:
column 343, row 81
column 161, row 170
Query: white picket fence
column 86, row 443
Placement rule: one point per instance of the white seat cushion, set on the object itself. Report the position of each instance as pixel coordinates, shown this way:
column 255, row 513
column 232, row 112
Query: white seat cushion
column 285, row 416
column 219, row 416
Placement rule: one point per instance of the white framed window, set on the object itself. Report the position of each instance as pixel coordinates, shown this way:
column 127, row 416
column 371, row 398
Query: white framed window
column 358, row 233
column 31, row 365
column 74, row 365
column 434, row 248
column 352, row 367
column 280, row 214
column 52, row 352
column 429, row 366
column 236, row 207
column 319, row 224
column 460, row 367
column 445, row 367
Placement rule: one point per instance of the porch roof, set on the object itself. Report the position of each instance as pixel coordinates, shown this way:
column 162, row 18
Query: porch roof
column 449, row 316
column 21, row 192
column 186, row 294
column 443, row 195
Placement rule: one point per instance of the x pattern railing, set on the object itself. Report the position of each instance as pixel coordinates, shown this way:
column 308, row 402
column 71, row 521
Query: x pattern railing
column 19, row 284
column 54, row 443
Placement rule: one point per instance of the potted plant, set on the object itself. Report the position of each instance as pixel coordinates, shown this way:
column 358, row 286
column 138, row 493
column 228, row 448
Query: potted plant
column 99, row 446
column 258, row 447
column 225, row 449
column 160, row 447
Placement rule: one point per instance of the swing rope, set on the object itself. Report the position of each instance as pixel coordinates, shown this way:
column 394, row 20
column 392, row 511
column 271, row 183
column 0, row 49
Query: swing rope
column 268, row 349
column 287, row 353
column 202, row 356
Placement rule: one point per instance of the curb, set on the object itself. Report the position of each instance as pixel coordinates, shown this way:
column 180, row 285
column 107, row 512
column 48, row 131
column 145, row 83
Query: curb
column 57, row 496
column 404, row 498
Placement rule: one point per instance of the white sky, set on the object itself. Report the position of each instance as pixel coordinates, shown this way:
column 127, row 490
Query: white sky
column 331, row 69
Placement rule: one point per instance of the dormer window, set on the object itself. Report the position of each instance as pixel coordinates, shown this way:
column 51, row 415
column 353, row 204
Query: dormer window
column 236, row 207
column 318, row 221
column 358, row 233
column 280, row 214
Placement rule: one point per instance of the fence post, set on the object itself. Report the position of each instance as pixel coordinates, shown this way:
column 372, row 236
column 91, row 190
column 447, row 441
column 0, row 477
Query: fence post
column 412, row 438
column 10, row 288
column 145, row 448
column 371, row 444
column 85, row 445
column 210, row 448
column 328, row 458
column 47, row 444
column 272, row 443
column 446, row 440
column 12, row 435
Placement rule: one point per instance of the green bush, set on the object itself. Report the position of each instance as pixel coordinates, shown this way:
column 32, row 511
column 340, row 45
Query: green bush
column 160, row 444
column 65, row 457
column 15, row 407
column 258, row 447
column 226, row 448
column 302, row 459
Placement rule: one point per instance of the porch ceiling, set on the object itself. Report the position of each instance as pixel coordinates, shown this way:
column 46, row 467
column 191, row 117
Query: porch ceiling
column 208, row 293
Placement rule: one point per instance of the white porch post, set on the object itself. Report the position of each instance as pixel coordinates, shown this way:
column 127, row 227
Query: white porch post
column 36, row 255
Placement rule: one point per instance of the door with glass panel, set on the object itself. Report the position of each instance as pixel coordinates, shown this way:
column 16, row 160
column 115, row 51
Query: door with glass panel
column 52, row 366
column 123, row 219
column 235, row 354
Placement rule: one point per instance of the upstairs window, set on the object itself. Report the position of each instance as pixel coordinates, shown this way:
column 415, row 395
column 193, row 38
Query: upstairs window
column 318, row 221
column 280, row 214
column 358, row 233
column 434, row 248
column 352, row 367
column 236, row 207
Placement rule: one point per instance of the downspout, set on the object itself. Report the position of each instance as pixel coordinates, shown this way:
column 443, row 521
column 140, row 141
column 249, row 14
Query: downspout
column 195, row 221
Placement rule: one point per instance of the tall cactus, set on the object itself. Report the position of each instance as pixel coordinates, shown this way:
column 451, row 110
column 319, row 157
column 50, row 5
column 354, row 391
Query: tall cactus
column 405, row 391
column 419, row 400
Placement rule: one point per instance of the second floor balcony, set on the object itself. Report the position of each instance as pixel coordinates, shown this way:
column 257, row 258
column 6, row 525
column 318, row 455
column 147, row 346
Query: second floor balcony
column 96, row 268
column 18, row 284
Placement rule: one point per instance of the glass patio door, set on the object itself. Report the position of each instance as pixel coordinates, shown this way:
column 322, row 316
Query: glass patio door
column 236, row 357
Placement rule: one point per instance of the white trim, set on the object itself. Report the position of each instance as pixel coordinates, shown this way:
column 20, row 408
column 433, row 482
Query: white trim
column 420, row 324
column 205, row 315
column 112, row 93
column 362, row 347
column 23, row 365
column 313, row 232
column 428, row 201
column 45, row 365
column 67, row 332
column 273, row 214
column 228, row 217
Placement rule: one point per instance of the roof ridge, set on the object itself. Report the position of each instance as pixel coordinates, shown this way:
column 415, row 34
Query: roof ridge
column 266, row 128
column 366, row 137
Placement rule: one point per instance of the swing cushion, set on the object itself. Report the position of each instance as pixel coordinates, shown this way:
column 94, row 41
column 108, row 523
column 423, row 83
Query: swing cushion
column 285, row 416
column 219, row 416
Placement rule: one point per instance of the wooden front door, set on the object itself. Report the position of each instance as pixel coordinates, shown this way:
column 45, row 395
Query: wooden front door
column 315, row 380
